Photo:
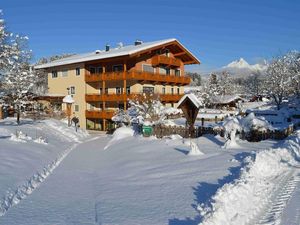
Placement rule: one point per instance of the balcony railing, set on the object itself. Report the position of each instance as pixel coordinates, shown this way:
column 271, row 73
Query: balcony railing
column 104, row 114
column 164, row 60
column 139, row 76
column 125, row 97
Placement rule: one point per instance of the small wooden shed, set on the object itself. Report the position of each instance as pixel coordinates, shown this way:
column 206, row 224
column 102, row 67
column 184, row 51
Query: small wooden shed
column 189, row 104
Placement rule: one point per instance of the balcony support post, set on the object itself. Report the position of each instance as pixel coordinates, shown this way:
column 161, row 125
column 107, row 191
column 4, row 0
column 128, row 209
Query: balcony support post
column 125, row 84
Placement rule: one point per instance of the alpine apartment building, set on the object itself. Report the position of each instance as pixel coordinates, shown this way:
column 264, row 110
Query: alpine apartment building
column 102, row 81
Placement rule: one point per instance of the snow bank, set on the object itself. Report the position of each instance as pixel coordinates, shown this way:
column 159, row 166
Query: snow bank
column 194, row 149
column 20, row 137
column 4, row 133
column 243, row 200
column 65, row 131
column 120, row 133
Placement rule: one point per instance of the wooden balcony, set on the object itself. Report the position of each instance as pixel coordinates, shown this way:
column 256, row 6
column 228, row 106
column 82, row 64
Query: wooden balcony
column 94, row 114
column 164, row 60
column 124, row 97
column 139, row 76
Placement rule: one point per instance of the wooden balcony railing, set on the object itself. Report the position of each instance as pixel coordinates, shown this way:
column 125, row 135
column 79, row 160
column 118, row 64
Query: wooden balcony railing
column 139, row 76
column 164, row 60
column 125, row 97
column 94, row 114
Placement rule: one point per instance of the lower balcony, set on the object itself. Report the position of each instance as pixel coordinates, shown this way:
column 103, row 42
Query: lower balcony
column 103, row 114
column 166, row 98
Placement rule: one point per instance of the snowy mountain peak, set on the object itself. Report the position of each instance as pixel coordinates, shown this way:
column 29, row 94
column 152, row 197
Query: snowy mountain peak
column 243, row 64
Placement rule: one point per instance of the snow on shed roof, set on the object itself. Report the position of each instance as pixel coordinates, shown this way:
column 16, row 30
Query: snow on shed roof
column 192, row 97
column 68, row 99
column 225, row 99
column 114, row 52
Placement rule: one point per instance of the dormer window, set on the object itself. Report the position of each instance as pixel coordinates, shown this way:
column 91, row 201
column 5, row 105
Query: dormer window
column 167, row 52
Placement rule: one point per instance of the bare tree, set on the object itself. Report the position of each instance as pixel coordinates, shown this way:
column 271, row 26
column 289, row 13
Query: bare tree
column 278, row 80
column 254, row 84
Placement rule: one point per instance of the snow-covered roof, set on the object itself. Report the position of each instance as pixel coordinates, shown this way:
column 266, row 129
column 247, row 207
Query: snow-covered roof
column 192, row 97
column 114, row 52
column 68, row 99
column 225, row 99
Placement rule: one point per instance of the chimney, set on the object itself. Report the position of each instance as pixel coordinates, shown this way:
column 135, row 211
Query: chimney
column 138, row 42
column 107, row 47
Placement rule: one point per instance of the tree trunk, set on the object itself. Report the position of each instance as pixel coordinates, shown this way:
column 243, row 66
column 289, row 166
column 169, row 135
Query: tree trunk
column 18, row 114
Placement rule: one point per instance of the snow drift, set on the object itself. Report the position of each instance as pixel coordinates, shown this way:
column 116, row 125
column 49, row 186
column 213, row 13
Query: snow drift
column 120, row 133
column 244, row 199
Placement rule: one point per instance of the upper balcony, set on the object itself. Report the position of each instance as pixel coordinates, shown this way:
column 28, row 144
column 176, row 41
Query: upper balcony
column 124, row 97
column 164, row 60
column 140, row 77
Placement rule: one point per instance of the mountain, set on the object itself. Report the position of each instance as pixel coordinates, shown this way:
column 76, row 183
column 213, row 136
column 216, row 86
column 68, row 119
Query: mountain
column 243, row 64
column 241, row 68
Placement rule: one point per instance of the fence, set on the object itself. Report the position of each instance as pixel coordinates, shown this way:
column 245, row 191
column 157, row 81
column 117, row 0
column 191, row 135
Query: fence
column 252, row 136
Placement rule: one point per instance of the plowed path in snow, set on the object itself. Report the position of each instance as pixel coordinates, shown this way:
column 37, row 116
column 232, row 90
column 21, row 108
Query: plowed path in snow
column 281, row 201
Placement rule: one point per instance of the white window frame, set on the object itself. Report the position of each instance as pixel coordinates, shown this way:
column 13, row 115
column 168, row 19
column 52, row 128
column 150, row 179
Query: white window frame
column 72, row 90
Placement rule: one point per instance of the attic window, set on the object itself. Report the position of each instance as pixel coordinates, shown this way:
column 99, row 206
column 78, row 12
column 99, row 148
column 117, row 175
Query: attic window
column 167, row 52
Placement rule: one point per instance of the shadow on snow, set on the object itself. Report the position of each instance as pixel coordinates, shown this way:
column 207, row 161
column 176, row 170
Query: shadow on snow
column 204, row 191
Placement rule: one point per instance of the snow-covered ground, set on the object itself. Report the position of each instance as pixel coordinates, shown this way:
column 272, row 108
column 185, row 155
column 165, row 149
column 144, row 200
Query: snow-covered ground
column 126, row 179
column 29, row 153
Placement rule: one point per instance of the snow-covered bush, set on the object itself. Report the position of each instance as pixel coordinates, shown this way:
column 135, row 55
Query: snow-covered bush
column 251, row 122
column 145, row 108
column 231, row 126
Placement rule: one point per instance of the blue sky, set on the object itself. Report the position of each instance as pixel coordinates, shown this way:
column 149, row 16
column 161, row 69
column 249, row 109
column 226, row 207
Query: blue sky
column 216, row 31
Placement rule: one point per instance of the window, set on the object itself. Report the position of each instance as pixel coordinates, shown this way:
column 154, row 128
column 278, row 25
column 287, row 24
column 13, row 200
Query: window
column 92, row 106
column 168, row 71
column 72, row 90
column 76, row 108
column 118, row 90
column 54, row 74
column 172, row 91
column 177, row 72
column 100, row 69
column 178, row 91
column 77, row 71
column 164, row 90
column 64, row 73
column 148, row 90
column 100, row 91
column 117, row 68
column 148, row 68
column 167, row 52
column 92, row 70
column 128, row 90
column 162, row 70
column 106, row 90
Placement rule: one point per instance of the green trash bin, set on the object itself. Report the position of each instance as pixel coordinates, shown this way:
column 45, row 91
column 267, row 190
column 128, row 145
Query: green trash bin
column 147, row 131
